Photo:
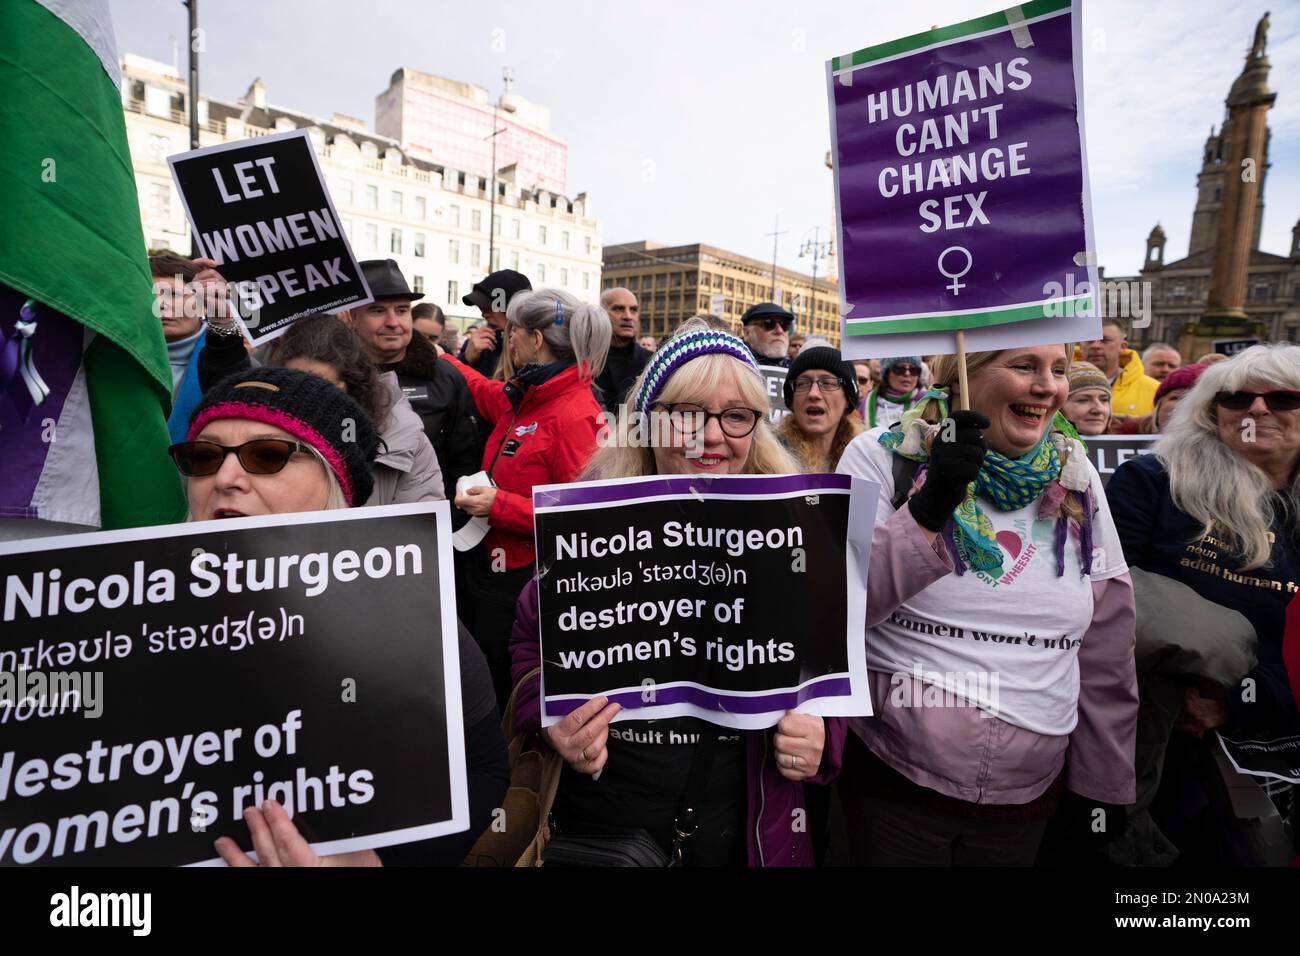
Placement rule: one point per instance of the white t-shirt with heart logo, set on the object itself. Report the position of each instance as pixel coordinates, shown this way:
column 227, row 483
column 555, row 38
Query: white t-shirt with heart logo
column 1007, row 643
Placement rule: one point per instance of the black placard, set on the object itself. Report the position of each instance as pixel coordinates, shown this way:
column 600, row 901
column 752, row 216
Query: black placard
column 1232, row 346
column 1277, row 759
column 774, row 379
column 261, row 209
column 733, row 604
column 360, row 676
column 1108, row 452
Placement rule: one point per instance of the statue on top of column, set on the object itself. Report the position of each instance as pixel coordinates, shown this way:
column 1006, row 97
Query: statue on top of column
column 1261, row 36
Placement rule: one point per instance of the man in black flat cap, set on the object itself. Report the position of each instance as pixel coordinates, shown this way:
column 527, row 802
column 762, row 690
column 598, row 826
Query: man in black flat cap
column 435, row 389
column 767, row 333
column 491, row 296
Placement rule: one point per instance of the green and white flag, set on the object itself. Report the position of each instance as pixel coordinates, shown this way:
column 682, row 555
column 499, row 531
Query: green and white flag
column 75, row 293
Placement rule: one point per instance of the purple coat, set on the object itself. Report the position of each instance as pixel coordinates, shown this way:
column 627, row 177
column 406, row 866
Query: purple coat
column 774, row 838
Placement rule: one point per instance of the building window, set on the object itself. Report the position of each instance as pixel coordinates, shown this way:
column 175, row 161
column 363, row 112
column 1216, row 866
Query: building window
column 475, row 254
column 159, row 147
column 453, row 292
column 395, row 241
column 453, row 214
column 420, row 208
column 372, row 197
column 160, row 200
column 564, row 277
column 345, row 192
column 564, row 241
column 417, row 284
column 496, row 225
column 586, row 280
column 541, row 272
column 586, row 245
column 541, row 235
column 514, row 228
column 476, row 220
column 418, row 246
column 453, row 252
column 157, row 102
column 514, row 261
column 496, row 260
column 372, row 236
column 347, row 228
column 395, row 201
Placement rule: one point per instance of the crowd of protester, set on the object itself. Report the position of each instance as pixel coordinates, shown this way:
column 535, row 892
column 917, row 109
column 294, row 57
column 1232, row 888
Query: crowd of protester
column 1163, row 633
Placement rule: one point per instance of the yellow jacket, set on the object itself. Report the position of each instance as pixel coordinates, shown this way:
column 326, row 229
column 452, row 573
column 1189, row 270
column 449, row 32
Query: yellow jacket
column 1133, row 393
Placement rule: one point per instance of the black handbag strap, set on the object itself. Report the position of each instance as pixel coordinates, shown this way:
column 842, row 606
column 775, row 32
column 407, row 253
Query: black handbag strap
column 688, row 810
column 504, row 438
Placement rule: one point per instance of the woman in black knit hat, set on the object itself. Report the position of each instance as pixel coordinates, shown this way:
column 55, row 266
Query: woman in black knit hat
column 279, row 440
column 821, row 392
column 303, row 445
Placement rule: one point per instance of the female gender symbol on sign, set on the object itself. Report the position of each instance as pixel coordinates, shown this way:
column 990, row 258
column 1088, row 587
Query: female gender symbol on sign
column 955, row 286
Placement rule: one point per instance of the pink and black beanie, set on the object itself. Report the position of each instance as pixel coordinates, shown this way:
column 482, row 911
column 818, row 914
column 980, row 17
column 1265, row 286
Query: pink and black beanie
column 311, row 409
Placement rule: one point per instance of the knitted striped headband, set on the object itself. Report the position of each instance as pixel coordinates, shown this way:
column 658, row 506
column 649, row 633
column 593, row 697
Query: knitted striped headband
column 681, row 349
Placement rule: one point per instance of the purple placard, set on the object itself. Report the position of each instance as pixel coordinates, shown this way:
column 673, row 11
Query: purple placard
column 996, row 230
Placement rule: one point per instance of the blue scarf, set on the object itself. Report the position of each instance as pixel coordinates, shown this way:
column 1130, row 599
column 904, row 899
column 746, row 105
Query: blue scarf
column 188, row 391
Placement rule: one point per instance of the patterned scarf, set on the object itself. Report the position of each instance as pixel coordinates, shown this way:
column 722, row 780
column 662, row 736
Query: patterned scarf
column 898, row 398
column 1053, row 468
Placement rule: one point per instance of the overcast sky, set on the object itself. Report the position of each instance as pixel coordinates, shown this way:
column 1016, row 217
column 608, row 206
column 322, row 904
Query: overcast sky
column 703, row 121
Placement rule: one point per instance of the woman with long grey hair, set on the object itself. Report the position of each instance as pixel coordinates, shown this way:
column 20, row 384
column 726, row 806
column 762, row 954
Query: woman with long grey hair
column 1217, row 507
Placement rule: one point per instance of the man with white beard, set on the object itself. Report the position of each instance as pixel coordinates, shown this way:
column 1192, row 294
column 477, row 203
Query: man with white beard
column 767, row 333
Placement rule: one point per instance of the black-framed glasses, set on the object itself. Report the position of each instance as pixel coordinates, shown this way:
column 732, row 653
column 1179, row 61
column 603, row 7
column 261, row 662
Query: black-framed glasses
column 1277, row 401
column 260, row 456
column 688, row 419
column 769, row 324
column 828, row 383
column 905, row 370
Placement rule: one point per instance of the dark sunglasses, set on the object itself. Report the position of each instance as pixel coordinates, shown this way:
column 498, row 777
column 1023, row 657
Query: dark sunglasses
column 769, row 325
column 905, row 370
column 1279, row 401
column 261, row 456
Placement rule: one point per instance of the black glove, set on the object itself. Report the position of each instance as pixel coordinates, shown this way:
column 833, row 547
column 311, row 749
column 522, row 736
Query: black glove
column 953, row 466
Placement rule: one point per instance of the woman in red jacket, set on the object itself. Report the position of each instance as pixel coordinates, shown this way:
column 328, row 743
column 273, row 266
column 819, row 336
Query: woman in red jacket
column 546, row 421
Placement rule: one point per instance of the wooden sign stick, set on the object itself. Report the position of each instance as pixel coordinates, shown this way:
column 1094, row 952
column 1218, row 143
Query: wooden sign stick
column 963, row 398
